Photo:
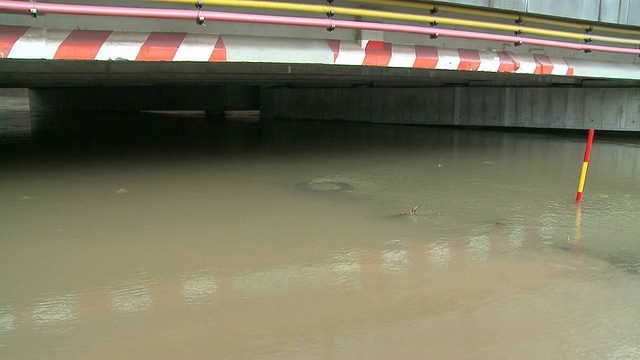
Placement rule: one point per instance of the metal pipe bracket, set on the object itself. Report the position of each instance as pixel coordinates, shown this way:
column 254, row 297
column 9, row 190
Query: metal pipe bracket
column 33, row 11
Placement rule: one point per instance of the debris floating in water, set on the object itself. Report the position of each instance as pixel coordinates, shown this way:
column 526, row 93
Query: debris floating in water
column 122, row 191
column 325, row 186
column 412, row 211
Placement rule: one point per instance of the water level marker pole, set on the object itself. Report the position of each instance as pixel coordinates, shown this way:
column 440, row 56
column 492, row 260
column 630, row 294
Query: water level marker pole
column 585, row 165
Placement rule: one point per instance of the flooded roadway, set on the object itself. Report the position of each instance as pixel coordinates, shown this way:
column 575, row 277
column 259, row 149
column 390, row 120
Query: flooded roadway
column 154, row 236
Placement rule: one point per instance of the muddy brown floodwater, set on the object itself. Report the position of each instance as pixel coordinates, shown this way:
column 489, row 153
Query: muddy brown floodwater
column 159, row 236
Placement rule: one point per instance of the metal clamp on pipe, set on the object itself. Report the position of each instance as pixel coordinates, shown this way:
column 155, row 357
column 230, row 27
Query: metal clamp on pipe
column 330, row 14
column 434, row 23
column 434, row 10
column 434, row 36
column 200, row 18
column 589, row 29
column 33, row 11
column 518, row 43
column 519, row 20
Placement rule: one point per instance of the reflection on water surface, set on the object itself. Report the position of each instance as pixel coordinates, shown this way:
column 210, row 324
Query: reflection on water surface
column 157, row 236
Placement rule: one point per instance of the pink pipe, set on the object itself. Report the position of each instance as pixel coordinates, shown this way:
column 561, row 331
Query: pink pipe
column 69, row 9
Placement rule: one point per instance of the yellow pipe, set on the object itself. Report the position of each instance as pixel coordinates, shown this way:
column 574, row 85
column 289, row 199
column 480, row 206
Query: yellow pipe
column 499, row 15
column 324, row 9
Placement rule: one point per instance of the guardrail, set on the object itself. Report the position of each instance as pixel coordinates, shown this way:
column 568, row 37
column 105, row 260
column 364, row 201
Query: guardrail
column 199, row 15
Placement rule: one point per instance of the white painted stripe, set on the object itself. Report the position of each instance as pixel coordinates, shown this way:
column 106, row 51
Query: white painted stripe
column 7, row 320
column 277, row 50
column 38, row 43
column 439, row 253
column 516, row 236
column 133, row 298
column 122, row 46
column 479, row 247
column 394, row 261
column 604, row 69
column 347, row 263
column 196, row 47
column 402, row 56
column 489, row 61
column 448, row 59
column 350, row 53
column 52, row 311
column 547, row 230
column 560, row 67
column 200, row 289
column 527, row 63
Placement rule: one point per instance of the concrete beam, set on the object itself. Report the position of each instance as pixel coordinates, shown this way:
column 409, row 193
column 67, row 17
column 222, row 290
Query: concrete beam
column 44, row 73
column 559, row 108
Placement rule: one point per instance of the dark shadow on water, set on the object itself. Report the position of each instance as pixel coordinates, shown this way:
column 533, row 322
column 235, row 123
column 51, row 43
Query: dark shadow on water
column 122, row 136
column 98, row 136
column 87, row 137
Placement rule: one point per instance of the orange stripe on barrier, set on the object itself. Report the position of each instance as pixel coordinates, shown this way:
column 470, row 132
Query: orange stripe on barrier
column 377, row 53
column 498, row 237
column 8, row 36
column 167, row 295
column 335, row 47
column 370, row 265
column 160, row 47
column 98, row 305
column 507, row 62
column 219, row 53
column 426, row 57
column 469, row 60
column 81, row 45
column 226, row 287
column 417, row 255
column 543, row 64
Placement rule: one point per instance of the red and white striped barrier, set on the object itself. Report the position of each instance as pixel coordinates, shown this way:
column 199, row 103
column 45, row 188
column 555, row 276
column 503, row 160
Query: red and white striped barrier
column 39, row 43
column 378, row 53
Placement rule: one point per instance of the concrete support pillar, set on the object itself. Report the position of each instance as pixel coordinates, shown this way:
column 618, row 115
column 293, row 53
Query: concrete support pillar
column 369, row 35
column 544, row 107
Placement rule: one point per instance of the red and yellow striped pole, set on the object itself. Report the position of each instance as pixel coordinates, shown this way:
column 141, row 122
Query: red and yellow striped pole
column 585, row 165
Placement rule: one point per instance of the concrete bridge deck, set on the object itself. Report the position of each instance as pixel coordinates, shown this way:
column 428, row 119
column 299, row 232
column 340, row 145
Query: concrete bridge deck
column 78, row 62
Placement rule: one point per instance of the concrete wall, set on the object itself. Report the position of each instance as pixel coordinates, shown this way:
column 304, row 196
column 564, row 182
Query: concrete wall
column 562, row 108
column 212, row 99
column 622, row 12
column 128, row 98
column 10, row 92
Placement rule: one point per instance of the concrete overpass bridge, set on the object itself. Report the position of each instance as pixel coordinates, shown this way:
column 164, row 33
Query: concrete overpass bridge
column 523, row 63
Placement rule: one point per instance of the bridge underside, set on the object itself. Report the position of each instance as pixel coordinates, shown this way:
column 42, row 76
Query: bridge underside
column 329, row 92
column 330, row 79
